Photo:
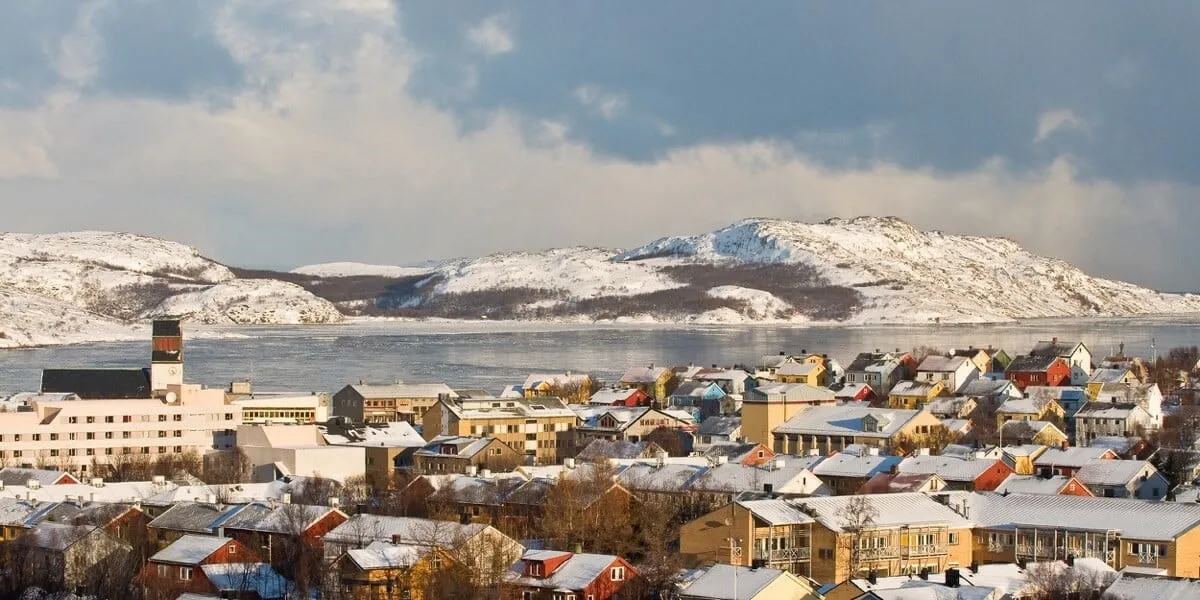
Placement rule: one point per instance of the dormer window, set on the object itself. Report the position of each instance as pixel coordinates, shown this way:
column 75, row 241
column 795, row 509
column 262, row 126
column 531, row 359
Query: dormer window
column 617, row 574
column 534, row 568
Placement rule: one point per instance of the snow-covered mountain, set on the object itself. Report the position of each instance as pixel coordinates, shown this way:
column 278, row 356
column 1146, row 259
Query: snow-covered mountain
column 864, row 270
column 91, row 286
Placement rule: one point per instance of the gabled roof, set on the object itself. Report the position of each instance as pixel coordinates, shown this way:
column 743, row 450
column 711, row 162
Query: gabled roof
column 1135, row 586
column 775, row 512
column 1134, row 519
column 195, row 517
column 1055, row 348
column 1024, row 406
column 791, row 392
column 574, row 574
column 611, row 396
column 404, row 390
column 260, row 578
column 98, row 384
column 386, row 555
column 464, row 446
column 10, row 476
column 57, row 536
column 190, row 550
column 1030, row 484
column 913, row 388
column 847, row 420
column 794, row 369
column 718, row 425
column 984, row 387
column 404, row 529
column 643, row 374
column 852, row 465
column 718, row 582
column 735, row 477
column 1109, row 375
column 896, row 483
column 1112, row 472
column 892, row 510
column 1104, row 410
column 1072, row 456
column 1032, row 363
column 950, row 468
column 936, row 363
column 536, row 380
column 601, row 448
column 1028, row 429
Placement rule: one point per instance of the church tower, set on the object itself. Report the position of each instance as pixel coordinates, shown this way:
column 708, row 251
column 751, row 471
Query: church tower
column 166, row 356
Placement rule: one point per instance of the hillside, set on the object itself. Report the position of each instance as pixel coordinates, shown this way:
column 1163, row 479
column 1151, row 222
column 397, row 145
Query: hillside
column 864, row 271
column 91, row 286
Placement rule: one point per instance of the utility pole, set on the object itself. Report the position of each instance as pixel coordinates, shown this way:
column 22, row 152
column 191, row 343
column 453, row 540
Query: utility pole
column 1153, row 350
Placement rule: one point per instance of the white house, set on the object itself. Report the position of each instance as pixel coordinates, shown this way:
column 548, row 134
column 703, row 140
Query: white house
column 955, row 371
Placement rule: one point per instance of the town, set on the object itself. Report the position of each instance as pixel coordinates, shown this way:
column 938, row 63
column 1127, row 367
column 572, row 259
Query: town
column 974, row 472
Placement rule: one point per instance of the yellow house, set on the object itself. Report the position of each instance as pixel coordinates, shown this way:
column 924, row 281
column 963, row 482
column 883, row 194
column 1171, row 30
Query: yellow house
column 829, row 429
column 384, row 571
column 915, row 394
column 808, row 371
column 774, row 531
column 1039, row 433
column 1121, row 532
column 1109, row 375
column 542, row 428
column 766, row 407
column 575, row 388
column 655, row 382
column 1034, row 408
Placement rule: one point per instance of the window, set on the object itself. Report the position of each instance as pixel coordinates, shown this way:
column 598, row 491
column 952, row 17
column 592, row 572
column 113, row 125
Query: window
column 70, row 436
column 162, row 434
column 108, row 435
column 162, row 418
column 16, row 437
column 127, row 419
column 54, row 452
column 1148, row 550
column 185, row 573
column 617, row 574
column 527, row 595
column 177, row 417
column 228, row 416
column 233, row 548
column 953, row 539
column 37, row 437
column 90, row 452
column 163, row 570
column 108, row 419
column 126, row 435
column 72, row 420
column 91, row 419
column 71, row 452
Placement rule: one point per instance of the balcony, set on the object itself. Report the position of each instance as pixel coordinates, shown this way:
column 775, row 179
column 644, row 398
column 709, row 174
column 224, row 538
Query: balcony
column 878, row 553
column 996, row 548
column 787, row 555
column 927, row 550
column 1148, row 559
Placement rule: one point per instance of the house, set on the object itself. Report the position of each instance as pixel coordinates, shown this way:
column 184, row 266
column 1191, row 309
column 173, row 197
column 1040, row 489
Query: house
column 853, row 392
column 845, row 473
column 747, row 454
column 1119, row 532
column 1123, row 479
column 829, row 429
column 382, row 403
column 727, row 582
column 812, row 373
column 541, row 429
column 899, row 483
column 703, row 399
column 460, row 454
column 732, row 381
column 956, row 583
column 895, row 541
column 10, row 476
column 772, row 532
column 1076, row 355
column 1067, row 461
column 1070, row 398
column 1034, row 408
column 1146, row 395
column 1104, row 375
column 770, row 363
column 68, row 556
column 211, row 565
column 575, row 388
column 992, row 392
column 1040, row 433
column 386, row 571
column 619, row 397
column 1101, row 419
column 951, row 407
column 601, row 449
column 628, row 424
column 271, row 529
column 881, row 371
column 586, row 497
column 769, row 406
column 978, row 357
column 1025, row 371
column 655, row 382
column 718, row 430
column 471, row 498
column 954, row 371
column 553, row 575
column 1054, row 485
column 966, row 474
column 915, row 394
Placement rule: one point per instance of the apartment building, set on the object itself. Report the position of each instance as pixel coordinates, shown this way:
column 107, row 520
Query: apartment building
column 829, row 429
column 769, row 406
column 541, row 428
column 383, row 403
column 267, row 408
column 71, row 434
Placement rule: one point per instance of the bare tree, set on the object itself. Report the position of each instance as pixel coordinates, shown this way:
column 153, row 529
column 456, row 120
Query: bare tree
column 1055, row 581
column 227, row 467
column 856, row 517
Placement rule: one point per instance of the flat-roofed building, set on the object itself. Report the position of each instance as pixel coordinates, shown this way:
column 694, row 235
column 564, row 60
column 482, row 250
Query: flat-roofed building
column 382, row 403
column 542, row 428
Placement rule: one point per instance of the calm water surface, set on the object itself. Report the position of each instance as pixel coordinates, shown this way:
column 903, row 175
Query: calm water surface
column 492, row 355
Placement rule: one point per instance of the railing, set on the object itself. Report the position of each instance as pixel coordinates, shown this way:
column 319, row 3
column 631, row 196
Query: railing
column 925, row 550
column 790, row 555
column 1027, row 551
column 1148, row 559
column 878, row 553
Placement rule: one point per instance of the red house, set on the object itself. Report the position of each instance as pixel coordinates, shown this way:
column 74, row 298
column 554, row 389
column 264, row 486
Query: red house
column 1038, row 370
column 551, row 575
column 216, row 566
column 613, row 397
column 969, row 474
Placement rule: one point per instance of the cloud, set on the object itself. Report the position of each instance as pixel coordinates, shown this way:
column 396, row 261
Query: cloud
column 492, row 36
column 600, row 102
column 327, row 142
column 1054, row 121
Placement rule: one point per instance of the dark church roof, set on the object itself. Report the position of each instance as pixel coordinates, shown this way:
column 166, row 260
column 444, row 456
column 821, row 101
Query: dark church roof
column 98, row 384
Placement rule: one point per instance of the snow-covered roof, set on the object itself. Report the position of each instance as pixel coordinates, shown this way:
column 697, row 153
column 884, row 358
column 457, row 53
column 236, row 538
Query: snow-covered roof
column 395, row 434
column 984, row 387
column 792, row 392
column 781, row 475
column 1134, row 519
column 1109, row 375
column 776, row 512
column 1024, row 406
column 799, row 369
column 21, row 476
column 609, row 396
column 1030, row 484
column 260, row 578
column 195, row 517
column 1116, row 443
column 937, row 363
column 950, row 468
column 643, row 374
column 957, row 425
column 718, row 425
column 720, row 581
column 851, row 465
column 190, row 549
column 1071, row 456
column 465, row 446
column 1054, row 348
column 1132, row 586
column 846, row 420
column 721, row 375
column 23, row 513
column 1030, row 363
column 534, row 380
column 1112, row 472
column 913, row 388
column 1104, row 410
column 666, row 478
column 601, row 448
column 574, row 574
column 57, row 536
column 404, row 390
column 1026, row 430
column 366, row 527
column 895, row 483
column 893, row 510
column 850, row 390
column 386, row 555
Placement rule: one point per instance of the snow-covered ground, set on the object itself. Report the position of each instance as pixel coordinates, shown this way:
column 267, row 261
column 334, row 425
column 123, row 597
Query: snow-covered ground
column 355, row 269
column 96, row 286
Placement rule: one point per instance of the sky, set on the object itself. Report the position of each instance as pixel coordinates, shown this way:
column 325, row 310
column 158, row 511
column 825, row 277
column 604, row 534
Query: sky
column 277, row 133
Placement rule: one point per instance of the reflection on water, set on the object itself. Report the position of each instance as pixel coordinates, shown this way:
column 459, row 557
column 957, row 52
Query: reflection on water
column 492, row 355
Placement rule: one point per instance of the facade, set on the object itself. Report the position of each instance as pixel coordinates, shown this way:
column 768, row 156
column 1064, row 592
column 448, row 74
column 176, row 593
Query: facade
column 954, row 371
column 542, row 429
column 965, row 474
column 276, row 451
column 1025, row 371
column 463, row 454
column 725, row 582
column 204, row 565
column 72, row 434
column 626, row 424
column 812, row 373
column 1123, row 479
column 915, row 394
column 1101, row 419
column 382, row 403
column 1054, row 485
column 772, row 532
column 655, row 382
column 386, row 571
column 1076, row 355
column 283, row 408
column 1034, row 408
column 879, row 370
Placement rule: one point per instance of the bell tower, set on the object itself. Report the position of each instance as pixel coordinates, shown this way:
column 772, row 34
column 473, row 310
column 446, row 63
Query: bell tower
column 166, row 356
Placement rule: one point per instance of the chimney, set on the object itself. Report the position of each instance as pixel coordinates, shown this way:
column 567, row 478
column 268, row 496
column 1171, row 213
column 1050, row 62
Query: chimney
column 210, row 498
column 569, row 463
column 954, row 579
column 803, row 351
column 1065, row 445
column 33, row 484
column 922, row 451
column 872, row 577
column 578, row 548
column 782, row 353
column 287, row 498
column 334, row 502
column 769, row 488
column 1054, row 340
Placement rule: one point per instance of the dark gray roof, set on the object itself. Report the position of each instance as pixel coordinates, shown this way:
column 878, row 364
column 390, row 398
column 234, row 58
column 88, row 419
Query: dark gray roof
column 719, row 426
column 1032, row 363
column 1053, row 348
column 98, row 384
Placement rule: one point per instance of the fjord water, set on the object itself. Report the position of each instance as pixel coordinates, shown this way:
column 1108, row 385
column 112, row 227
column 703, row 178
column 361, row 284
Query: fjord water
column 492, row 355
